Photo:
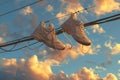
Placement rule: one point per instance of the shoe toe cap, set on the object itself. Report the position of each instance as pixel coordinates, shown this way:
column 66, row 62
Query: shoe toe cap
column 82, row 40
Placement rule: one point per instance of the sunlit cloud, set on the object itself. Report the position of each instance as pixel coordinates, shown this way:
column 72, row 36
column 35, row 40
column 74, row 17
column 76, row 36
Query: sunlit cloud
column 96, row 28
column 81, row 74
column 72, row 6
column 88, row 49
column 106, row 6
column 49, row 8
column 110, row 76
column 61, row 17
column 67, row 7
column 61, row 55
column 100, row 68
column 30, row 69
column 34, row 69
column 27, row 10
column 73, row 52
column 114, row 47
column 108, row 44
column 33, row 17
column 118, row 61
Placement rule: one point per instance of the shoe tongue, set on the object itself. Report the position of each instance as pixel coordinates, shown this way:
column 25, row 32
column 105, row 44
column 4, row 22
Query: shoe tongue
column 42, row 24
column 50, row 27
column 73, row 16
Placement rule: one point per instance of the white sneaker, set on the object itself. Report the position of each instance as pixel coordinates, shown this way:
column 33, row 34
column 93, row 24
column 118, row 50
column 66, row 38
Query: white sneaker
column 75, row 28
column 47, row 35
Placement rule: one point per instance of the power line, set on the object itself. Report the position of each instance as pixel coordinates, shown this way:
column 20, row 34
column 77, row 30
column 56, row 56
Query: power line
column 103, row 20
column 28, row 38
column 108, row 20
column 8, row 50
column 11, row 11
column 21, row 47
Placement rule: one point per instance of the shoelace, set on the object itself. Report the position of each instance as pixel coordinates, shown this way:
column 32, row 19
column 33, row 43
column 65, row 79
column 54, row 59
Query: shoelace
column 68, row 40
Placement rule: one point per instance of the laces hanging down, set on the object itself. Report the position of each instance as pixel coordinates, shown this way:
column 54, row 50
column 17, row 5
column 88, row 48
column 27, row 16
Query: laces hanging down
column 75, row 28
column 47, row 36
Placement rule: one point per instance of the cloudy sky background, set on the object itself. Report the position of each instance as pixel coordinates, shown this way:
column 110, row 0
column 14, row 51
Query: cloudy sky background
column 99, row 61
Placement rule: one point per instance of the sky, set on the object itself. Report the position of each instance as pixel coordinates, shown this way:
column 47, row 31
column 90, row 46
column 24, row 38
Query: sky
column 100, row 61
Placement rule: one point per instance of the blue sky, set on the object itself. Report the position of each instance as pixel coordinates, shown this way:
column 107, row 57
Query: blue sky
column 105, row 37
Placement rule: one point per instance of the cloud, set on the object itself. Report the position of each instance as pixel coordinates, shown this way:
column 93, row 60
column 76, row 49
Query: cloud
column 114, row 47
column 97, row 28
column 100, row 68
column 61, row 17
column 21, row 19
column 27, row 10
column 49, row 8
column 108, row 44
column 73, row 52
column 67, row 7
column 33, row 17
column 118, row 61
column 60, row 55
column 89, row 49
column 83, row 74
column 87, row 74
column 72, row 6
column 110, row 76
column 106, row 6
column 33, row 69
column 30, row 69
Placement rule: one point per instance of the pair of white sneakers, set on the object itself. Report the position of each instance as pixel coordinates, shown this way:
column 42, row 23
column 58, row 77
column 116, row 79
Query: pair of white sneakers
column 72, row 26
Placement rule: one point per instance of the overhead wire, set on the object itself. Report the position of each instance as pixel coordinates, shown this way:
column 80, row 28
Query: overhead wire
column 7, row 50
column 32, row 48
column 23, row 47
column 28, row 38
column 14, row 10
column 108, row 20
column 103, row 20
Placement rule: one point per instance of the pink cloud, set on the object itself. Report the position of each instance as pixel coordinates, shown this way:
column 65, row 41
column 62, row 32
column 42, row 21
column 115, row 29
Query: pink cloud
column 106, row 6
